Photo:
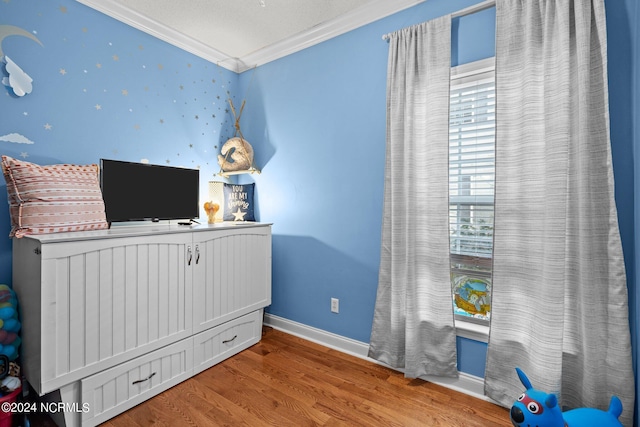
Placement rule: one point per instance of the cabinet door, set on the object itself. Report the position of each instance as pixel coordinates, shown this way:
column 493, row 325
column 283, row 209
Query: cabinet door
column 106, row 301
column 232, row 275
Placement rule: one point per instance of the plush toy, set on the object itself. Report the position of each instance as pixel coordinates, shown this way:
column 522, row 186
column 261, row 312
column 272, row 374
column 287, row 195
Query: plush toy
column 9, row 323
column 537, row 408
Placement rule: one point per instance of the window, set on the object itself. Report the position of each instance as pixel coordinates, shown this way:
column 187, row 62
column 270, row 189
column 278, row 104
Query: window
column 471, row 187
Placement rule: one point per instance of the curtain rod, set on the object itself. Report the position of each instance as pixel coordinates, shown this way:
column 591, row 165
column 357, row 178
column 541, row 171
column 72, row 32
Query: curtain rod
column 463, row 12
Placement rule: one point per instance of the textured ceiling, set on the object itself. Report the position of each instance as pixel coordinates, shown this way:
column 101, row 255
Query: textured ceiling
column 240, row 27
column 242, row 34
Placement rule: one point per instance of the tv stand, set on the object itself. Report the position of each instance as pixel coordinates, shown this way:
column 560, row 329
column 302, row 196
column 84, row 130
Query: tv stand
column 113, row 317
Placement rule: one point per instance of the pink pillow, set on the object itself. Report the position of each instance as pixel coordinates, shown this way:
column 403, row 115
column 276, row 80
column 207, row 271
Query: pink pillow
column 53, row 199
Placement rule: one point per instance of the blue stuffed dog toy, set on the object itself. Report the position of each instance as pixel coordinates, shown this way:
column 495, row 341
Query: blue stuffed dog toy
column 535, row 408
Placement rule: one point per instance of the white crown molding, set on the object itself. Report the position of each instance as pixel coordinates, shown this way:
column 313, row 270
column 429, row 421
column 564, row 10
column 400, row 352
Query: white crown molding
column 364, row 15
column 162, row 32
column 356, row 18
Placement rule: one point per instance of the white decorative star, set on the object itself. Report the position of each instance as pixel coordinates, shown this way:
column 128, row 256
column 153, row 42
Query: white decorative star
column 239, row 215
column 24, row 155
column 98, row 107
column 63, row 71
column 47, row 126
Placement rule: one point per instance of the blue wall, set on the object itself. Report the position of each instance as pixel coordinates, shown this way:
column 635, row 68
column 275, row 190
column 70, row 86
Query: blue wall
column 623, row 18
column 318, row 120
column 315, row 118
column 102, row 89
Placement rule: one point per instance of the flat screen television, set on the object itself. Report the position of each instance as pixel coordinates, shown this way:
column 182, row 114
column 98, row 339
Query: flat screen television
column 144, row 192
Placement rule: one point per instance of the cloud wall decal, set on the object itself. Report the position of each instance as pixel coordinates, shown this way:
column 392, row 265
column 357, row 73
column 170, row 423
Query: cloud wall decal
column 18, row 80
column 15, row 138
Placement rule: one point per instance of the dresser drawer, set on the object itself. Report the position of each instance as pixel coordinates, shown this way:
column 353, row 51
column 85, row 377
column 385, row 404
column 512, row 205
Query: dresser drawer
column 115, row 390
column 216, row 344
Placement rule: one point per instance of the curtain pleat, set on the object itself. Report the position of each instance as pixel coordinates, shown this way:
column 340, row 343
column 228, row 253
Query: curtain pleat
column 559, row 303
column 413, row 326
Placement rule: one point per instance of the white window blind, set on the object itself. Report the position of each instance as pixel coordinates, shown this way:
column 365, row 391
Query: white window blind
column 471, row 185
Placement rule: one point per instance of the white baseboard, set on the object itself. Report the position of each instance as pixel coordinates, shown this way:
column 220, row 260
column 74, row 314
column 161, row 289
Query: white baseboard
column 465, row 383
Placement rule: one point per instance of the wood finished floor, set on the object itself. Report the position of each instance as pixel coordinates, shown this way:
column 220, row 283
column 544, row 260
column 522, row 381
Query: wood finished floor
column 288, row 381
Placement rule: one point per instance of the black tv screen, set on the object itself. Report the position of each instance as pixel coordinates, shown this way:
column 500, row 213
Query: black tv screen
column 142, row 192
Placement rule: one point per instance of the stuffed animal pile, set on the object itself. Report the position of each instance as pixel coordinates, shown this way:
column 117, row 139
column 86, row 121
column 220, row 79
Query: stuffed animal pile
column 9, row 341
column 537, row 408
column 9, row 323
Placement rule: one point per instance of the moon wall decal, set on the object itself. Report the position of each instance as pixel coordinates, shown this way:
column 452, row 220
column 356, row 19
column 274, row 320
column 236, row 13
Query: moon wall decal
column 12, row 30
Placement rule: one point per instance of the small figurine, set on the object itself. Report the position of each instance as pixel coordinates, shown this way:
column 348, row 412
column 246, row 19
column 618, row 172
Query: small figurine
column 211, row 209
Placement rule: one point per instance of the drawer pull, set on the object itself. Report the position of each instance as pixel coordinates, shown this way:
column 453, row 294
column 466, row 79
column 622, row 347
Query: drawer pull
column 146, row 379
column 230, row 340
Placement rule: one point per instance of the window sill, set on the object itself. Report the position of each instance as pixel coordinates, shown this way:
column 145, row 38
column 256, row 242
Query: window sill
column 472, row 331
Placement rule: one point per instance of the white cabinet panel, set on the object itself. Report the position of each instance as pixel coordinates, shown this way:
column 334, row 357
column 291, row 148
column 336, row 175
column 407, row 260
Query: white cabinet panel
column 117, row 389
column 219, row 343
column 102, row 308
column 232, row 276
column 107, row 303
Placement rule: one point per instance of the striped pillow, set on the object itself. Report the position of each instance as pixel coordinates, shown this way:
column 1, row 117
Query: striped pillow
column 53, row 199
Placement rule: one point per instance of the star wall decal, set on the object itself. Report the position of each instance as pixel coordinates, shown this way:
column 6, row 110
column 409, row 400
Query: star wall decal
column 63, row 9
column 208, row 96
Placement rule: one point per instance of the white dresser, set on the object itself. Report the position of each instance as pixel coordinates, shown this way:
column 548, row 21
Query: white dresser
column 113, row 317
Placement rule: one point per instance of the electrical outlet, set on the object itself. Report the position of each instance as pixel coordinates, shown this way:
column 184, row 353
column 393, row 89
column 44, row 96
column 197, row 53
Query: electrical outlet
column 335, row 305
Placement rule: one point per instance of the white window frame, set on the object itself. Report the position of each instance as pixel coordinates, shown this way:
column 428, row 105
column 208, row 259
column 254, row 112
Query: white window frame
column 472, row 71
